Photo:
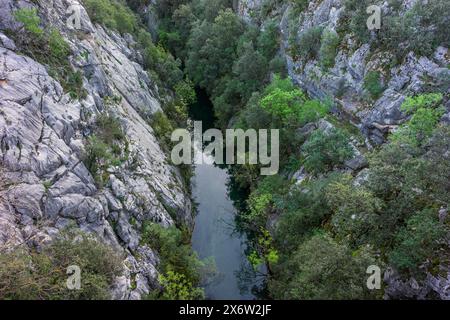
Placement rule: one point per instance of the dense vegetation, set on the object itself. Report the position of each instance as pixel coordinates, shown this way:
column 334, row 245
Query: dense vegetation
column 335, row 223
column 33, row 275
column 181, row 272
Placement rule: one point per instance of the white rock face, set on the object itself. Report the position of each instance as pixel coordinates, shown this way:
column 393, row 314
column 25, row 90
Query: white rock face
column 44, row 184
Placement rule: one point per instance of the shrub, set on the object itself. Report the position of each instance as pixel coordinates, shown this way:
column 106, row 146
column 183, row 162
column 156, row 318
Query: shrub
column 418, row 241
column 372, row 83
column 105, row 148
column 282, row 99
column 299, row 6
column 328, row 48
column 113, row 14
column 30, row 20
column 42, row 275
column 356, row 17
column 269, row 41
column 324, row 150
column 185, row 91
column 304, row 209
column 179, row 264
column 322, row 269
column 177, row 287
column 163, row 128
column 425, row 111
column 309, row 42
column 355, row 210
column 48, row 47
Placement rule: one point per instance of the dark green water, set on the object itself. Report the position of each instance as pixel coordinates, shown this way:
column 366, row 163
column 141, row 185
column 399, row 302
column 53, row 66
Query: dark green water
column 214, row 234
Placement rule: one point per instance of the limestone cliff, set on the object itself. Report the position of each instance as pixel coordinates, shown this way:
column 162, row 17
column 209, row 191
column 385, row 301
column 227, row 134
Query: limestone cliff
column 44, row 182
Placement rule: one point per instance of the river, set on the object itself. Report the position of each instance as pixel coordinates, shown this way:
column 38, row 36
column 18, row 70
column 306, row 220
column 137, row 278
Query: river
column 214, row 234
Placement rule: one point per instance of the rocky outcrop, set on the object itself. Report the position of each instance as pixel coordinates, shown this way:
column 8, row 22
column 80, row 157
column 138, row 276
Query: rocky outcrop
column 344, row 82
column 44, row 183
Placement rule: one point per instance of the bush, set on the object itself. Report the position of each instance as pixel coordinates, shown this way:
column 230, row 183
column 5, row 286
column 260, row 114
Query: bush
column 328, row 48
column 163, row 129
column 42, row 275
column 324, row 150
column 322, row 269
column 356, row 211
column 282, row 99
column 30, row 20
column 308, row 45
column 418, row 241
column 299, row 6
column 372, row 83
column 425, row 111
column 105, row 148
column 177, row 287
column 304, row 210
column 421, row 29
column 113, row 14
column 48, row 47
column 179, row 264
column 185, row 91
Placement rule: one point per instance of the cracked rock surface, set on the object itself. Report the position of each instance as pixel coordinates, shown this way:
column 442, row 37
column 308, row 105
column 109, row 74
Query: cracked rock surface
column 44, row 184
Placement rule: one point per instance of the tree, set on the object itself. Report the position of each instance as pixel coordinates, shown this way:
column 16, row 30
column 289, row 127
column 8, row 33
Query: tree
column 328, row 48
column 288, row 103
column 418, row 240
column 322, row 269
column 250, row 69
column 212, row 49
column 324, row 150
column 425, row 111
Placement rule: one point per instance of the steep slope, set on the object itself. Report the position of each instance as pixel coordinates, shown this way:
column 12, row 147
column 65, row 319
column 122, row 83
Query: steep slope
column 45, row 183
column 352, row 62
column 368, row 80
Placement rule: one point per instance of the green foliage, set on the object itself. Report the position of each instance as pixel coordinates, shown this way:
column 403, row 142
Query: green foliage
column 30, row 20
column 106, row 147
column 308, row 44
column 328, row 48
column 179, row 264
column 113, row 14
column 304, row 210
column 408, row 178
column 324, row 150
column 355, row 18
column 157, row 59
column 355, row 210
column 268, row 40
column 163, row 128
column 322, row 269
column 212, row 48
column 42, row 275
column 422, row 236
column 299, row 5
column 185, row 91
column 250, row 70
column 284, row 100
column 421, row 29
column 48, row 47
column 425, row 111
column 372, row 83
column 177, row 287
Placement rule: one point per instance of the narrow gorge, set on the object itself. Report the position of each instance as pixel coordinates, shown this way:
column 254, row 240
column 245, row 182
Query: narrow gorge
column 92, row 90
